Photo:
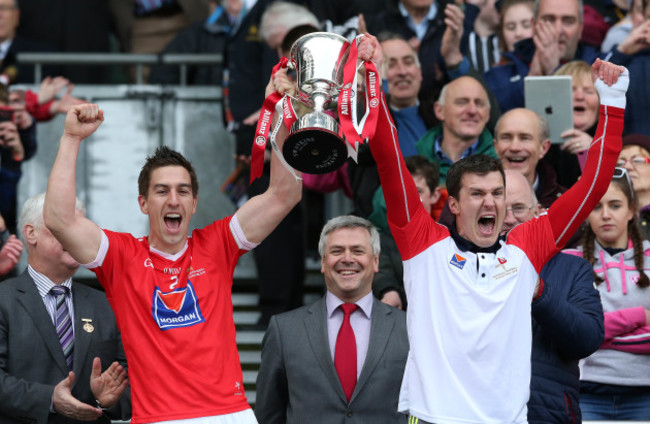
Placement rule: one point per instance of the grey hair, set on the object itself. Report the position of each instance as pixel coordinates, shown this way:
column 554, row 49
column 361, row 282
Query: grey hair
column 282, row 15
column 349, row 221
column 580, row 10
column 32, row 213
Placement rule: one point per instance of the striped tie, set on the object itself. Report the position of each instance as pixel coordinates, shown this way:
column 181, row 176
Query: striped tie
column 63, row 323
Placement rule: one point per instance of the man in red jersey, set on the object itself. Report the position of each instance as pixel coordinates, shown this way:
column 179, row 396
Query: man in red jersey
column 171, row 293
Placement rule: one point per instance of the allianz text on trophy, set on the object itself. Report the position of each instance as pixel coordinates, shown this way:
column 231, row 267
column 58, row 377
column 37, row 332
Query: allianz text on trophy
column 326, row 71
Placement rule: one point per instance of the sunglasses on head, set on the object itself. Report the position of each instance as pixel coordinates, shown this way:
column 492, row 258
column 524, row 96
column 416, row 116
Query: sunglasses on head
column 622, row 173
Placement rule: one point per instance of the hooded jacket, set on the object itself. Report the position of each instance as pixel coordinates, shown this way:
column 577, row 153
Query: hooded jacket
column 623, row 359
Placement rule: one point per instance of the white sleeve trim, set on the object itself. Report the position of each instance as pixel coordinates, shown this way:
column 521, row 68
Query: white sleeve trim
column 614, row 95
column 101, row 253
column 239, row 236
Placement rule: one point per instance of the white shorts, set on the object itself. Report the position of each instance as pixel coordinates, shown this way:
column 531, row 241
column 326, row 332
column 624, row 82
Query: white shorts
column 242, row 417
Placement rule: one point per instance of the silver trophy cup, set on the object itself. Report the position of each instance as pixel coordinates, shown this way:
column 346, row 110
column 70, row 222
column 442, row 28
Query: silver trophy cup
column 314, row 145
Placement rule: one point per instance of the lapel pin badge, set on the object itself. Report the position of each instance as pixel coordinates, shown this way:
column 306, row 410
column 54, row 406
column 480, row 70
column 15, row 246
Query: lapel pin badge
column 88, row 327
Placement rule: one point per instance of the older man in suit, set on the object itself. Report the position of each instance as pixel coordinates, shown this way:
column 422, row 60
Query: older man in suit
column 342, row 358
column 55, row 338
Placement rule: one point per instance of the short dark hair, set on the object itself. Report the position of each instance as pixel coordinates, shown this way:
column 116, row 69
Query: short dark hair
column 419, row 166
column 474, row 164
column 164, row 156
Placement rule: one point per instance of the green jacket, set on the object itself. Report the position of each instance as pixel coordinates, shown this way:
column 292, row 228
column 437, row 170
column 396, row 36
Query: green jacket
column 425, row 147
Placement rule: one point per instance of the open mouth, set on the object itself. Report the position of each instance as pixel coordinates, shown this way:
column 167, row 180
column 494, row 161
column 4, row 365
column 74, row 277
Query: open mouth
column 579, row 109
column 173, row 221
column 516, row 160
column 486, row 224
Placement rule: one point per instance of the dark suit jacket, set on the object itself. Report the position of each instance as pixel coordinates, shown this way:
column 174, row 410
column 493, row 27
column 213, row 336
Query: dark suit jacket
column 297, row 382
column 31, row 358
column 24, row 74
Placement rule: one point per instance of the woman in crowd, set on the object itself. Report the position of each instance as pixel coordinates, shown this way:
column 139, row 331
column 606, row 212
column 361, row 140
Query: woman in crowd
column 568, row 157
column 516, row 23
column 635, row 157
column 615, row 380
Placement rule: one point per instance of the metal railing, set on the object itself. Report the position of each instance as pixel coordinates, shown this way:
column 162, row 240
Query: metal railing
column 183, row 60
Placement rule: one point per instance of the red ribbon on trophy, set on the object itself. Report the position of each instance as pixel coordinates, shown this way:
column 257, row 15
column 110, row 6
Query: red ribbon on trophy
column 264, row 127
column 358, row 132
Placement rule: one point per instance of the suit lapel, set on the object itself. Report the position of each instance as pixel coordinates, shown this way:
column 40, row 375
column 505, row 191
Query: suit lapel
column 381, row 325
column 316, row 329
column 32, row 302
column 82, row 338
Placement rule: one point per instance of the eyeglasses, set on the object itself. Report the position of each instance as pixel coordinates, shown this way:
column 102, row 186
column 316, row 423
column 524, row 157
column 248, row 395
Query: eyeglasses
column 519, row 211
column 622, row 173
column 634, row 161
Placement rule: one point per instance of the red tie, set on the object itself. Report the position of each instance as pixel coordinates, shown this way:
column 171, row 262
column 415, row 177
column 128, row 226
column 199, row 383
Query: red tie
column 345, row 353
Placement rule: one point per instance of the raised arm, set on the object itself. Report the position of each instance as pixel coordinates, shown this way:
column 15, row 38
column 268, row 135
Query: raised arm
column 393, row 174
column 259, row 216
column 78, row 235
column 571, row 209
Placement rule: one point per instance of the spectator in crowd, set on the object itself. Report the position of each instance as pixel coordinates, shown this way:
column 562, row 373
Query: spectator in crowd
column 249, row 62
column 567, row 319
column 338, row 12
column 621, row 29
column 44, row 104
column 388, row 284
column 170, row 290
column 634, row 53
column 342, row 357
column 568, row 157
column 57, row 336
column 463, row 110
column 467, row 268
column 635, row 158
column 556, row 40
column 614, row 380
column 521, row 141
column 10, row 250
column 17, row 145
column 483, row 42
column 146, row 27
column 12, row 44
column 279, row 18
column 516, row 24
column 422, row 23
column 404, row 77
column 202, row 36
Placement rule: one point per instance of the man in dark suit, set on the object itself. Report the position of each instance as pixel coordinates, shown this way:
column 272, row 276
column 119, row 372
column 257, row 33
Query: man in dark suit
column 46, row 377
column 11, row 44
column 342, row 358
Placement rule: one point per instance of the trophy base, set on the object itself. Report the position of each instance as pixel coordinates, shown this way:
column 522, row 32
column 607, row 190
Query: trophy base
column 315, row 151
